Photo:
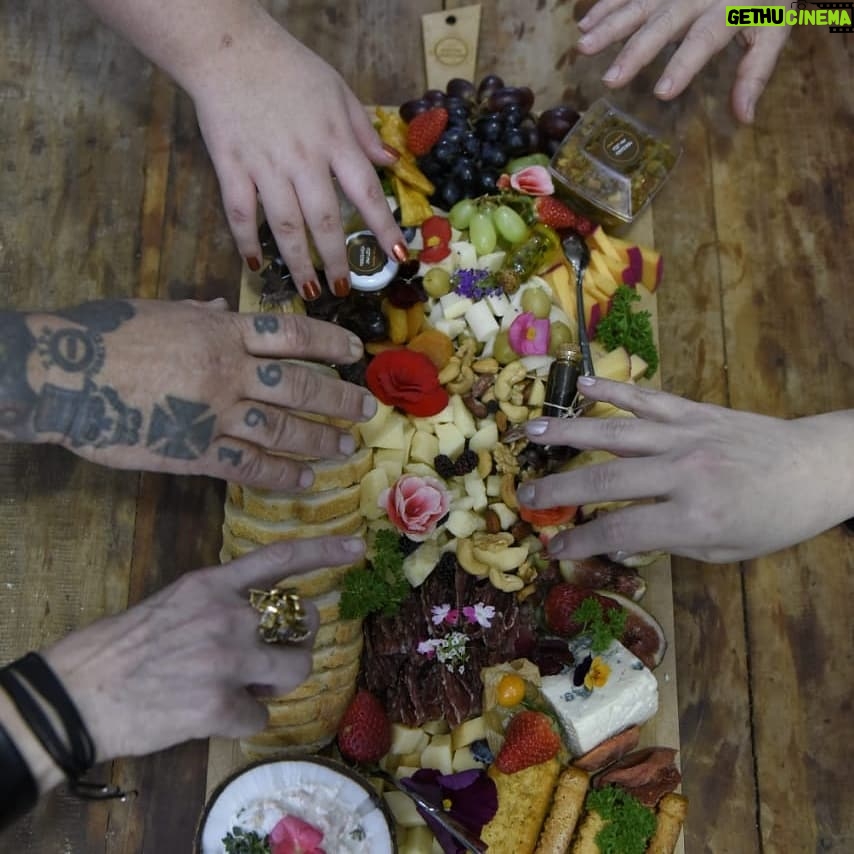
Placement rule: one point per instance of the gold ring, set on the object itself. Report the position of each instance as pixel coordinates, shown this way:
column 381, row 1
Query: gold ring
column 282, row 615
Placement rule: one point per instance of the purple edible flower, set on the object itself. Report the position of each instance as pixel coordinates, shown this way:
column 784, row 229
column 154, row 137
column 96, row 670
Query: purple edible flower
column 470, row 797
column 467, row 284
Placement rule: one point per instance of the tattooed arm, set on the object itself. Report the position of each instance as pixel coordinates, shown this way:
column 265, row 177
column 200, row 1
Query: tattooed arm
column 178, row 387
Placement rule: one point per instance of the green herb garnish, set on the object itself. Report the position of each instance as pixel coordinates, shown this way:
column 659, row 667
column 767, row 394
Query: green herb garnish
column 380, row 586
column 628, row 823
column 621, row 327
column 601, row 625
column 240, row 841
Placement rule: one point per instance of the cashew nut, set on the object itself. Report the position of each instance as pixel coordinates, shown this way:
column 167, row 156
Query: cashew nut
column 506, row 559
column 484, row 463
column 507, row 377
column 516, row 414
column 528, row 572
column 508, row 490
column 451, row 371
column 462, row 384
column 505, row 581
column 485, row 366
column 467, row 560
column 466, row 351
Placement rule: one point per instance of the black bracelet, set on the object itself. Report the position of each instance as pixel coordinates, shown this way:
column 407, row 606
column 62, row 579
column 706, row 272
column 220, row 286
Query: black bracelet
column 31, row 674
column 19, row 792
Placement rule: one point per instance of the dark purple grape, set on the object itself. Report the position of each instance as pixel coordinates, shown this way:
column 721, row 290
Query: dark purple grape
column 506, row 96
column 512, row 116
column 455, row 104
column 410, row 109
column 435, row 97
column 488, row 85
column 556, row 123
column 458, row 117
column 489, row 128
column 445, row 151
column 458, row 87
column 549, row 146
column 465, row 171
column 527, row 98
column 493, row 155
column 453, row 135
column 431, row 167
column 489, row 181
column 515, row 142
column 532, row 138
column 448, row 194
column 470, row 144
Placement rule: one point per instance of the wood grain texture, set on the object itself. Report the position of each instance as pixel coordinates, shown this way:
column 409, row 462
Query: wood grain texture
column 106, row 190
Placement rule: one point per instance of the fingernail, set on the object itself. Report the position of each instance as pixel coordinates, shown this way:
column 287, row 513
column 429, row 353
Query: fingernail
column 663, row 86
column 306, row 478
column 536, row 428
column 525, row 493
column 346, row 445
column 356, row 348
column 750, row 110
column 391, row 151
column 310, row 290
column 587, row 382
column 369, row 406
column 557, row 543
column 400, row 252
column 584, row 41
column 583, row 22
column 612, row 74
column 354, row 545
column 341, row 287
column 253, row 263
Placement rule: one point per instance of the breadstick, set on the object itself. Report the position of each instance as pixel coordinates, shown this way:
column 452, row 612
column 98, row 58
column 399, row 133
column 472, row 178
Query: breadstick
column 669, row 816
column 585, row 841
column 567, row 806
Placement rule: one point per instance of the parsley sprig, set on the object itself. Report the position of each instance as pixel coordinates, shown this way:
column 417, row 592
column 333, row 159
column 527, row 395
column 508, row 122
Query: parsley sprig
column 601, row 625
column 240, row 841
column 628, row 823
column 621, row 327
column 380, row 586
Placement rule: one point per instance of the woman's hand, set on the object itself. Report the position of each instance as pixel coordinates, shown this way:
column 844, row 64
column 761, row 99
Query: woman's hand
column 700, row 25
column 716, row 484
column 187, row 388
column 279, row 123
column 277, row 118
column 178, row 665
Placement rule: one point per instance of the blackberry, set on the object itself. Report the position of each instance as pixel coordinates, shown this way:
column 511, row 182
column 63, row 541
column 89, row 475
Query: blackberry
column 466, row 462
column 444, row 466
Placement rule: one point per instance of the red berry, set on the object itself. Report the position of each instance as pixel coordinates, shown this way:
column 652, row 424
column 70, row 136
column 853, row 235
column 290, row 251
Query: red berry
column 424, row 130
column 364, row 734
column 530, row 739
column 554, row 213
column 584, row 226
column 561, row 603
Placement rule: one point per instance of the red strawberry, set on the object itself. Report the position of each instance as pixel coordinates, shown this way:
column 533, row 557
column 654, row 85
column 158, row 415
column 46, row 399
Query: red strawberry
column 364, row 734
column 424, row 130
column 529, row 740
column 584, row 226
column 561, row 603
column 554, row 213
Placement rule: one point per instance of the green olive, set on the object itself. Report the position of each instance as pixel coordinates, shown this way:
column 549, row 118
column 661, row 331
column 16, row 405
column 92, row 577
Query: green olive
column 537, row 301
column 437, row 282
column 559, row 334
column 502, row 350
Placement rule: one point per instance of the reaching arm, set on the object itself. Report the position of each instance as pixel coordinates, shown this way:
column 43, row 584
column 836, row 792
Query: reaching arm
column 278, row 122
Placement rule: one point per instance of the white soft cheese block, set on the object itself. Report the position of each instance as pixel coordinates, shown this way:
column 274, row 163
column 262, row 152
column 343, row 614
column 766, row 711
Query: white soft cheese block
column 588, row 717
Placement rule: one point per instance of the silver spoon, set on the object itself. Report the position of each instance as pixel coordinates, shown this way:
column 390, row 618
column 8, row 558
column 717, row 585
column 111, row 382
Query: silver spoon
column 576, row 252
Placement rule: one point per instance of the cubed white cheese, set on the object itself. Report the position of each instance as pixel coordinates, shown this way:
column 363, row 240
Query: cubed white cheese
column 629, row 696
column 453, row 305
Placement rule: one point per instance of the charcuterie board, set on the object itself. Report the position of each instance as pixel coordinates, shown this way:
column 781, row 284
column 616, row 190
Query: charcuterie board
column 663, row 729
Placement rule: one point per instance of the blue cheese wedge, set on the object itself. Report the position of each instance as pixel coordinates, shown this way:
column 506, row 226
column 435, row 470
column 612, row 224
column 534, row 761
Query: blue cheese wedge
column 601, row 695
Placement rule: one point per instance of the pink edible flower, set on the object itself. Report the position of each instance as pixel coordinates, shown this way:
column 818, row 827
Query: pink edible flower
column 292, row 835
column 428, row 647
column 480, row 614
column 533, row 180
column 529, row 335
column 444, row 614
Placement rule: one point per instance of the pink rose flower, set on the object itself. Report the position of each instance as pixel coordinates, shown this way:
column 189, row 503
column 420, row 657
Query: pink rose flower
column 529, row 335
column 415, row 505
column 533, row 180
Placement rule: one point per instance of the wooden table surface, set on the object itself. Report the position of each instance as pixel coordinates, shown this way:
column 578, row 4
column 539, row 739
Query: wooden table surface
column 106, row 191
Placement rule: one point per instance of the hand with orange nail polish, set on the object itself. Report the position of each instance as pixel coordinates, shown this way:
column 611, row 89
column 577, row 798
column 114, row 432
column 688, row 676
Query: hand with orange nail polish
column 700, row 26
column 279, row 122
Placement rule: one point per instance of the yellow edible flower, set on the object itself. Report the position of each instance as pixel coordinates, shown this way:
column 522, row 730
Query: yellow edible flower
column 598, row 675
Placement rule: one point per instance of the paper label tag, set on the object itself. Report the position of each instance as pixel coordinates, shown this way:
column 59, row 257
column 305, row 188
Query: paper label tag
column 450, row 44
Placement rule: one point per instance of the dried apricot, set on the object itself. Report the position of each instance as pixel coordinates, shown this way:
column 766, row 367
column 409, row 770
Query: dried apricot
column 435, row 345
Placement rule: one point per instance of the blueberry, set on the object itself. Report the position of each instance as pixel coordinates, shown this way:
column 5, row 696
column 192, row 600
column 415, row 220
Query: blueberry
column 470, row 145
column 515, row 142
column 489, row 129
column 493, row 155
column 445, row 151
column 489, row 181
column 448, row 194
column 452, row 135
